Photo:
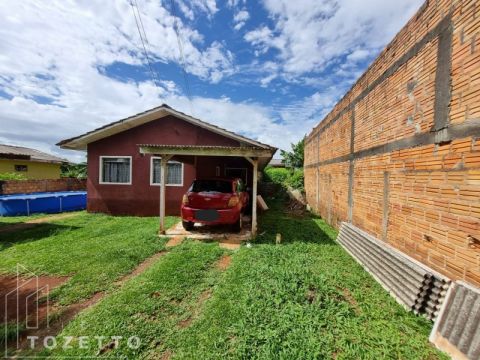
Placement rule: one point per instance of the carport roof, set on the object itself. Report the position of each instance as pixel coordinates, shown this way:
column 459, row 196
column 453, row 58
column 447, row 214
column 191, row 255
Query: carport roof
column 263, row 154
column 80, row 142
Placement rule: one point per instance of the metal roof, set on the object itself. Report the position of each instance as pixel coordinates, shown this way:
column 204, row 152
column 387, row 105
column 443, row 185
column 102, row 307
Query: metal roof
column 28, row 154
column 208, row 150
column 80, row 142
column 202, row 146
column 276, row 163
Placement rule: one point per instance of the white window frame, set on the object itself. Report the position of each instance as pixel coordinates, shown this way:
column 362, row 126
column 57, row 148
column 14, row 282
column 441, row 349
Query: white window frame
column 170, row 161
column 100, row 165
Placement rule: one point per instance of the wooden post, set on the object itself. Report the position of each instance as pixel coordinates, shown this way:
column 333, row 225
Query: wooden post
column 254, row 162
column 163, row 179
column 254, row 200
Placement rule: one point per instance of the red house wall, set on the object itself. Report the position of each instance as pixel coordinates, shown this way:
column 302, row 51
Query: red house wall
column 140, row 198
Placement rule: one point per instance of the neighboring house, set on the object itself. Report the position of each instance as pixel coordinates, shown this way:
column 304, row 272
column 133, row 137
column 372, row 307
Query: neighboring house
column 276, row 163
column 124, row 160
column 32, row 163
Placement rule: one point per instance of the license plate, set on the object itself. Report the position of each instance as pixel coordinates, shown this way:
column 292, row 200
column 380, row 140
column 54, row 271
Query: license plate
column 207, row 215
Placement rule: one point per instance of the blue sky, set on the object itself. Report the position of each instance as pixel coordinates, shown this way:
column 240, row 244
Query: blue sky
column 268, row 69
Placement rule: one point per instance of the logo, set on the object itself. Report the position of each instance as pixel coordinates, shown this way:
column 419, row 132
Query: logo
column 27, row 320
column 26, row 306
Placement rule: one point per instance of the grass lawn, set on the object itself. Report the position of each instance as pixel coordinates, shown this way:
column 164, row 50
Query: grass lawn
column 93, row 249
column 303, row 299
column 10, row 220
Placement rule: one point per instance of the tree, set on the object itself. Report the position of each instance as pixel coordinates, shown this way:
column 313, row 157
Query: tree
column 294, row 159
column 78, row 171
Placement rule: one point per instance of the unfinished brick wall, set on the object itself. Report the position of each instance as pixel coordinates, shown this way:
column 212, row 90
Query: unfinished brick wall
column 9, row 187
column 399, row 155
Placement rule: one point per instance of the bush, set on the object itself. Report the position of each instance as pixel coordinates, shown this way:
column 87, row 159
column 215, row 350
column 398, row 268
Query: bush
column 285, row 177
column 12, row 176
column 78, row 171
column 296, row 180
column 276, row 175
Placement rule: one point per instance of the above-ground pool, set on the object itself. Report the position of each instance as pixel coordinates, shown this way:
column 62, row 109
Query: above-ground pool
column 46, row 202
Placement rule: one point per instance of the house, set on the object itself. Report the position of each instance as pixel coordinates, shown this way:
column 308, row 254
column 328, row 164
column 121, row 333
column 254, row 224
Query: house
column 34, row 164
column 126, row 159
column 276, row 163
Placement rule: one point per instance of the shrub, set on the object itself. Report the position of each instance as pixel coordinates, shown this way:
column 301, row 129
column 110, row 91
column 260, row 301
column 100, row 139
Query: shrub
column 296, row 180
column 78, row 171
column 285, row 177
column 276, row 175
column 12, row 176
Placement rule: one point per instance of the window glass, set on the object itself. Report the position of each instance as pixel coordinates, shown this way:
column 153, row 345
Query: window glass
column 174, row 172
column 21, row 167
column 116, row 170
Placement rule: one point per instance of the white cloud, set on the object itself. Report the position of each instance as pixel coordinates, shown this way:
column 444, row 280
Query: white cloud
column 57, row 50
column 309, row 34
column 240, row 19
column 52, row 123
column 242, row 15
column 39, row 37
column 190, row 8
column 234, row 3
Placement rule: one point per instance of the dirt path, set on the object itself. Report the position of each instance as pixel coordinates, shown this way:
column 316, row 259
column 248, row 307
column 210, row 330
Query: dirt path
column 222, row 264
column 175, row 240
column 31, row 223
column 64, row 314
column 19, row 297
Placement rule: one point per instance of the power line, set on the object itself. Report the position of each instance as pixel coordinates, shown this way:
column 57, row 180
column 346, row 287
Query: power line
column 182, row 56
column 143, row 38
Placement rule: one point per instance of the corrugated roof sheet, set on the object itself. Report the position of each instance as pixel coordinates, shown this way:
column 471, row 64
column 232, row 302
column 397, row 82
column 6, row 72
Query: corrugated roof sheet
column 20, row 152
column 200, row 146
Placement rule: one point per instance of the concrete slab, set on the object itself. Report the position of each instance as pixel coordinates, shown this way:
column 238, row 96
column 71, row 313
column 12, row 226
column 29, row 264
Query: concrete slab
column 222, row 234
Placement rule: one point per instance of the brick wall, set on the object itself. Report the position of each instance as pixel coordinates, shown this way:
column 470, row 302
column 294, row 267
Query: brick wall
column 31, row 186
column 399, row 155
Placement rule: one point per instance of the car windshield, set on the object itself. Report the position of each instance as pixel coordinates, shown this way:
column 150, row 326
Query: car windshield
column 221, row 186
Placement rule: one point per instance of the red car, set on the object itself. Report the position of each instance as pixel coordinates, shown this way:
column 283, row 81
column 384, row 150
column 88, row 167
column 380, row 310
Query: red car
column 213, row 202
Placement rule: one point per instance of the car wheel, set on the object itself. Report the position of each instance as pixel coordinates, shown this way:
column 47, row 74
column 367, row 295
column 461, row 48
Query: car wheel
column 237, row 227
column 187, row 225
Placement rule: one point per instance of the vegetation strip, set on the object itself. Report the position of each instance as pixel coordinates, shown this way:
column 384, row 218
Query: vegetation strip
column 20, row 225
column 94, row 250
column 304, row 299
column 150, row 306
column 64, row 315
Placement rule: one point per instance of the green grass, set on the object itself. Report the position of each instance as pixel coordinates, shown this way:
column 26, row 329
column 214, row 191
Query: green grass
column 303, row 299
column 150, row 306
column 93, row 249
column 10, row 220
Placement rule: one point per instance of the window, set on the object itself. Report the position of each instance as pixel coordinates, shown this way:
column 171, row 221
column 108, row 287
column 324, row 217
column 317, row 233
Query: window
column 116, row 170
column 21, row 168
column 174, row 172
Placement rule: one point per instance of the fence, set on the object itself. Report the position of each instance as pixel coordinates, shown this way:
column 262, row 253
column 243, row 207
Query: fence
column 48, row 185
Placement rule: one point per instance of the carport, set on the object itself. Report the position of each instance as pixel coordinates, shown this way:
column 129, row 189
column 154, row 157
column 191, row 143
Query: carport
column 143, row 164
column 257, row 156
